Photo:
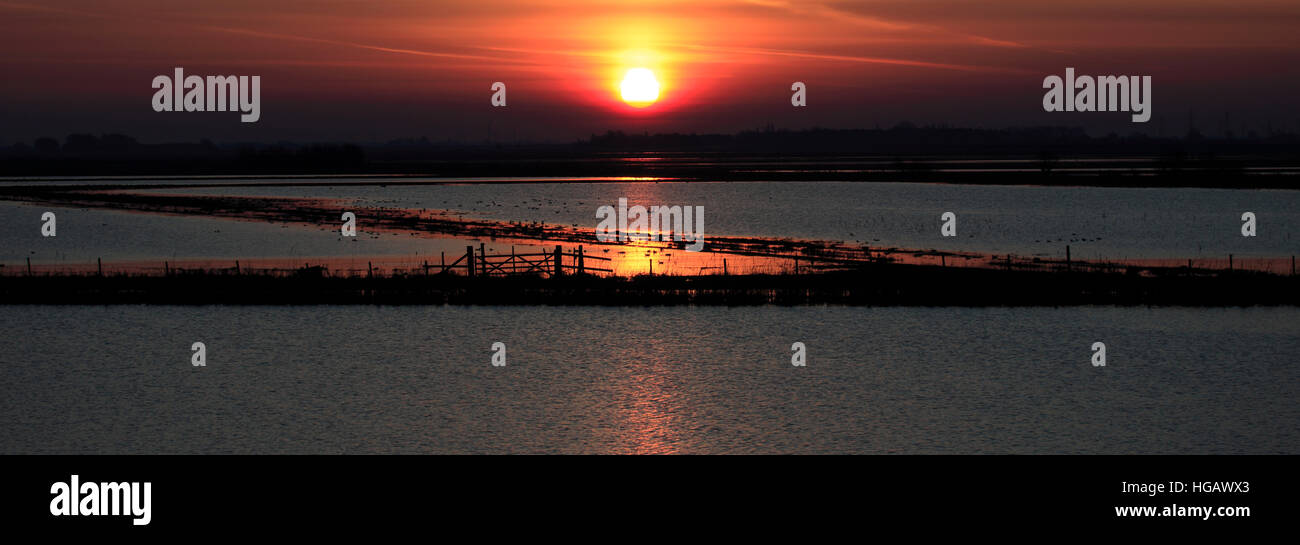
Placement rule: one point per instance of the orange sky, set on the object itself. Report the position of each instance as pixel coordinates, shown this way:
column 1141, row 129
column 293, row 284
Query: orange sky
column 379, row 69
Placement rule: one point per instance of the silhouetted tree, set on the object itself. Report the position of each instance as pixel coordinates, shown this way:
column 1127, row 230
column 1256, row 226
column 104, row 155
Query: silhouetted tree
column 46, row 146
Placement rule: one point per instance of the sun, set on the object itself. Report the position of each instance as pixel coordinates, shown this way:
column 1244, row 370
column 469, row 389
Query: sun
column 639, row 87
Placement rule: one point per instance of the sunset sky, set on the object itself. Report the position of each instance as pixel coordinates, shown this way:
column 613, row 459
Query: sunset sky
column 383, row 69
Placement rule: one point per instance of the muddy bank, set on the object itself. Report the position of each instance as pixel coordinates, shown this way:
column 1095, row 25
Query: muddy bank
column 725, row 254
column 325, row 213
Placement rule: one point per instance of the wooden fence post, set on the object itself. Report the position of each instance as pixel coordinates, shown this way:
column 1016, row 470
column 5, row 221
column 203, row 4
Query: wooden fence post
column 559, row 254
column 581, row 264
column 482, row 258
column 1067, row 257
column 469, row 261
column 100, row 261
column 29, row 266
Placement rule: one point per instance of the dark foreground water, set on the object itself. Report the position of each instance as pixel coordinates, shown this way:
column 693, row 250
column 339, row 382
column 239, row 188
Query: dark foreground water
column 621, row 380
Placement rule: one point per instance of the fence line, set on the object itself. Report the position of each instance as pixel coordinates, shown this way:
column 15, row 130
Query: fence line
column 561, row 261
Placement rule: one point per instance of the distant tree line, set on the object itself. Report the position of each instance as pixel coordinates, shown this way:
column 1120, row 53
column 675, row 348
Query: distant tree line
column 907, row 139
column 912, row 146
column 89, row 154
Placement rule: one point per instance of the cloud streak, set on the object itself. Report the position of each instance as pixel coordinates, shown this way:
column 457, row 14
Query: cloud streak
column 827, row 12
column 849, row 58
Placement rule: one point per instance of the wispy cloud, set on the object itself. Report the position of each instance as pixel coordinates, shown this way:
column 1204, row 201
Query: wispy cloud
column 816, row 9
column 341, row 43
column 822, row 10
column 850, row 58
column 252, row 33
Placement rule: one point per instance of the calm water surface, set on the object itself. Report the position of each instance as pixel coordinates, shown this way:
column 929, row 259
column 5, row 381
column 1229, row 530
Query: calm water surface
column 1109, row 223
column 1097, row 223
column 87, row 234
column 621, row 380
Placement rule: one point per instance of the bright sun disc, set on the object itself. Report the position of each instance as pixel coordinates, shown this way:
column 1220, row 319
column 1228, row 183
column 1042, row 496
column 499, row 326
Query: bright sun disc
column 639, row 87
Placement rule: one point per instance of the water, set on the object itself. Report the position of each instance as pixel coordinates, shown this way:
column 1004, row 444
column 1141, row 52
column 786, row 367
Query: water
column 1098, row 223
column 93, row 379
column 87, row 234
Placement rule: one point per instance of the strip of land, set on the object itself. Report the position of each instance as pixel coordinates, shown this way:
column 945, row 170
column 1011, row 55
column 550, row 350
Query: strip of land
column 870, row 284
column 822, row 272
column 321, row 212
